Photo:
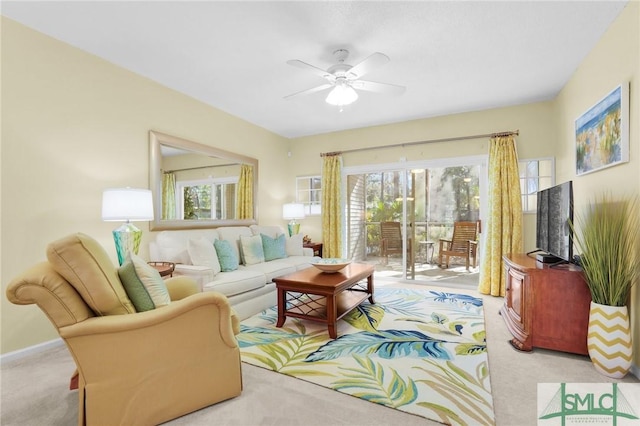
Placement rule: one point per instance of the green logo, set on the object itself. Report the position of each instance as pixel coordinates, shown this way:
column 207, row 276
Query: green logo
column 588, row 403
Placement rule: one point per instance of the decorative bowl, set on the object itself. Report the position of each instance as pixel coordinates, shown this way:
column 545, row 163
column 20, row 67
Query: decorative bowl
column 331, row 265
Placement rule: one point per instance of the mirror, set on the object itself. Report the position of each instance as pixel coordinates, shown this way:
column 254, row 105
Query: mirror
column 200, row 185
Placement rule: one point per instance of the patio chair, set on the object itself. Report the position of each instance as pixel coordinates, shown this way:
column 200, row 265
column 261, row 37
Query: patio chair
column 463, row 243
column 391, row 240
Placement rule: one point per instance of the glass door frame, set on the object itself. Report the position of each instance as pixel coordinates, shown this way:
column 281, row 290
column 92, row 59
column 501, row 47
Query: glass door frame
column 405, row 167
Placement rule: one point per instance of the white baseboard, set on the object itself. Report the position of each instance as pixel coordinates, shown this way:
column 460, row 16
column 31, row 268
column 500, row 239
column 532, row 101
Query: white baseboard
column 635, row 370
column 40, row 347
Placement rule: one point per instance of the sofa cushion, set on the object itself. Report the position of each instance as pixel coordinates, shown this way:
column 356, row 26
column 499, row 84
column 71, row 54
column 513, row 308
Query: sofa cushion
column 274, row 268
column 202, row 252
column 232, row 234
column 135, row 289
column 171, row 246
column 302, row 262
column 84, row 263
column 294, row 245
column 152, row 281
column 274, row 248
column 235, row 282
column 226, row 255
column 251, row 249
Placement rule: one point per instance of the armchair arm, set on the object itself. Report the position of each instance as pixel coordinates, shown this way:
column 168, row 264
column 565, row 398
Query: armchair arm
column 214, row 306
column 201, row 274
column 443, row 242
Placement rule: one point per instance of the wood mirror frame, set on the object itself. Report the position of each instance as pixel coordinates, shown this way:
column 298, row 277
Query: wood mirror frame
column 156, row 141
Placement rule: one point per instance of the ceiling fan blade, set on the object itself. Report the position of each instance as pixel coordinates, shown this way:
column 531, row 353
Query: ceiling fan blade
column 318, row 71
column 372, row 86
column 367, row 65
column 309, row 91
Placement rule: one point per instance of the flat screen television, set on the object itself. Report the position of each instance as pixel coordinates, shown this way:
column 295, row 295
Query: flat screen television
column 553, row 231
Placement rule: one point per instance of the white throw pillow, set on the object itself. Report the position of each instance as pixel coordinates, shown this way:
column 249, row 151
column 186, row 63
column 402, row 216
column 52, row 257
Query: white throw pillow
column 251, row 249
column 203, row 253
column 153, row 283
column 294, row 245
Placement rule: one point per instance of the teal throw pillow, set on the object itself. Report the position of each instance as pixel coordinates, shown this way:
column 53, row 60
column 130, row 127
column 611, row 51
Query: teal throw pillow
column 274, row 248
column 226, row 255
column 134, row 288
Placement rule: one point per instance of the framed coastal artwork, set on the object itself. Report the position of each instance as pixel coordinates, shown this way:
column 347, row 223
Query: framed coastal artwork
column 602, row 133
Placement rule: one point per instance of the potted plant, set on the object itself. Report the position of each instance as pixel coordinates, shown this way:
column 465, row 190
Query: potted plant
column 608, row 242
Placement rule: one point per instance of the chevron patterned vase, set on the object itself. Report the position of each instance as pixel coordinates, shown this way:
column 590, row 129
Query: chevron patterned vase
column 609, row 339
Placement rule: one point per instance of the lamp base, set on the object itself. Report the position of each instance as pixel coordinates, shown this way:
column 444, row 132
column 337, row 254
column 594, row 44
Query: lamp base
column 294, row 228
column 127, row 239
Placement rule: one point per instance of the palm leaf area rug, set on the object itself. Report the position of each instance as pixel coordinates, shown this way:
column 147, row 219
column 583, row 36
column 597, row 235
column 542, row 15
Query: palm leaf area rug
column 419, row 351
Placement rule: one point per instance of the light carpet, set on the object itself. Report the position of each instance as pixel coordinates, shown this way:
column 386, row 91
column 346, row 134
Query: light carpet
column 419, row 351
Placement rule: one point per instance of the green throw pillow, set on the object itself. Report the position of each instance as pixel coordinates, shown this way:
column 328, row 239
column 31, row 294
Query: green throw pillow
column 226, row 256
column 134, row 288
column 251, row 249
column 274, row 248
column 152, row 281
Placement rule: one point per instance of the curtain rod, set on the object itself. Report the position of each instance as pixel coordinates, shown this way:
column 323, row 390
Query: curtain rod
column 459, row 138
column 198, row 168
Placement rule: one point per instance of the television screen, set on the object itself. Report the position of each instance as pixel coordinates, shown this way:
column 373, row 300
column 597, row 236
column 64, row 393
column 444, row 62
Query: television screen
column 555, row 212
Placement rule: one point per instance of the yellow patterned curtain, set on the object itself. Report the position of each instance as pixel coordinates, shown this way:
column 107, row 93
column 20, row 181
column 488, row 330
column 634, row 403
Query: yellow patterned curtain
column 331, row 209
column 168, row 196
column 244, row 208
column 503, row 231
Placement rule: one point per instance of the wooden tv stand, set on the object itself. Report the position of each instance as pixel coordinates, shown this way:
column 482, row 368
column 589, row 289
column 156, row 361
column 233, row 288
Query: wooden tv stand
column 545, row 307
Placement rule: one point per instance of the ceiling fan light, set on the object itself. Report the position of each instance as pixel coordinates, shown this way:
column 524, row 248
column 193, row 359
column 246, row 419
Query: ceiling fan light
column 341, row 95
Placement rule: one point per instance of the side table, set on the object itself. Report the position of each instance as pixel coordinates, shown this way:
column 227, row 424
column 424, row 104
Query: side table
column 317, row 248
column 164, row 268
column 427, row 246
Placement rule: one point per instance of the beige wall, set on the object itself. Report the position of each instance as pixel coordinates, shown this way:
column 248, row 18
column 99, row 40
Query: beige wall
column 74, row 124
column 616, row 59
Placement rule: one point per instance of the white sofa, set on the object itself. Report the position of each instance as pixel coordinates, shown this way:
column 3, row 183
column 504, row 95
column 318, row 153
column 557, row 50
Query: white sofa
column 250, row 288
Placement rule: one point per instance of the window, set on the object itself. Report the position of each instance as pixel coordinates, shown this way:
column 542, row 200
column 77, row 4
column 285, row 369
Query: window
column 309, row 193
column 535, row 174
column 206, row 199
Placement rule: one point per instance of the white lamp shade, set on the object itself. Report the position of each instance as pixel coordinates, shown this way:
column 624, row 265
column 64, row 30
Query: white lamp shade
column 127, row 204
column 293, row 211
column 342, row 94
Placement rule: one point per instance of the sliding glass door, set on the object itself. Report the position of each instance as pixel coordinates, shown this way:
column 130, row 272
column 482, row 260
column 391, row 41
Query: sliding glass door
column 397, row 213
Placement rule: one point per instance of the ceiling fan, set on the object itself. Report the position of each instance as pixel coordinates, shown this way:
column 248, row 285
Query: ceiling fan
column 345, row 79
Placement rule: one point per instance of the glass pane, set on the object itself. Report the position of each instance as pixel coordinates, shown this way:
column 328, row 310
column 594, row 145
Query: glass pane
column 303, row 184
column 197, row 202
column 546, row 167
column 545, row 182
column 303, row 197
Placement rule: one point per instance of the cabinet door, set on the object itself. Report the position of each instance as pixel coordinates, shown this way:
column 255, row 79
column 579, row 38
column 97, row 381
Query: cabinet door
column 515, row 296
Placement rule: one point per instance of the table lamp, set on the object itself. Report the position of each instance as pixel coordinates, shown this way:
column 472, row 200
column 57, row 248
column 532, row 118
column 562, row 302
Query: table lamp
column 126, row 205
column 293, row 211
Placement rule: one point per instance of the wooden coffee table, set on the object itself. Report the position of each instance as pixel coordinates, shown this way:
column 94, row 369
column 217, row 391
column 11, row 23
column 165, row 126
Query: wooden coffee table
column 323, row 297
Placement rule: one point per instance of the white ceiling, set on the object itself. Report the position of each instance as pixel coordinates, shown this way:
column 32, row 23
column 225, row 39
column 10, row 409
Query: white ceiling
column 451, row 56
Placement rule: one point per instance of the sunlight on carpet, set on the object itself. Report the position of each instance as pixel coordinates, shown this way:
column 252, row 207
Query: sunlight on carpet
column 419, row 351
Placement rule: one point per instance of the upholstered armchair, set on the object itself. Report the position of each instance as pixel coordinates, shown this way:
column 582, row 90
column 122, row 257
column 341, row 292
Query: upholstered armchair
column 133, row 367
